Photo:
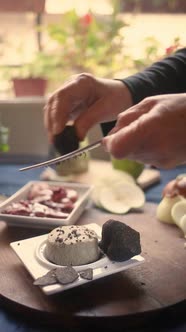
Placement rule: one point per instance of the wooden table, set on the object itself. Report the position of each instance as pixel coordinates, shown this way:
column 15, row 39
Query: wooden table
column 140, row 296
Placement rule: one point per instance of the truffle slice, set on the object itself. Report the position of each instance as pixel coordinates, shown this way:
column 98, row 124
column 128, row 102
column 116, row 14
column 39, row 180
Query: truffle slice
column 66, row 275
column 67, row 141
column 119, row 241
column 86, row 274
column 48, row 279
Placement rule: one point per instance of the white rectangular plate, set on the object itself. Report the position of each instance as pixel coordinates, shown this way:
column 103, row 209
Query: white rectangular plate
column 83, row 191
column 30, row 253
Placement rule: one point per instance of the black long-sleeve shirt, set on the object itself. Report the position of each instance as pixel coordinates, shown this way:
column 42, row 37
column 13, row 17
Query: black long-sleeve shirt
column 163, row 77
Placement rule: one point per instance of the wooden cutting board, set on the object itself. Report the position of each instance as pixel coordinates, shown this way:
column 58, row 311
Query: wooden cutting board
column 141, row 296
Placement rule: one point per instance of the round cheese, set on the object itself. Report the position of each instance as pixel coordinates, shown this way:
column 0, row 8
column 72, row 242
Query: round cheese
column 72, row 245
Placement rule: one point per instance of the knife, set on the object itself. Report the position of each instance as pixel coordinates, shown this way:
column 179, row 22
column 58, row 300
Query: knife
column 67, row 156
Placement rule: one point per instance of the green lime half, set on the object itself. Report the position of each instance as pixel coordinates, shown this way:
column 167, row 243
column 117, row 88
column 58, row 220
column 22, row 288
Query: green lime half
column 130, row 166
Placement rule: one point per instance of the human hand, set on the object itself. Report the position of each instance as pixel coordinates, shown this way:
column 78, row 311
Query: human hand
column 151, row 132
column 87, row 100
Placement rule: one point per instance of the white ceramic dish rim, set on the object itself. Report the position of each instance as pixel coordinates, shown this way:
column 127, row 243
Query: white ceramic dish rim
column 40, row 256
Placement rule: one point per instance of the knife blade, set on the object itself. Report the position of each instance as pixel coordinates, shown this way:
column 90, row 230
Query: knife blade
column 67, row 156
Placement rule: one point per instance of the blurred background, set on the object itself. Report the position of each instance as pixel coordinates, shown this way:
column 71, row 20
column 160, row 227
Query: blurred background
column 43, row 42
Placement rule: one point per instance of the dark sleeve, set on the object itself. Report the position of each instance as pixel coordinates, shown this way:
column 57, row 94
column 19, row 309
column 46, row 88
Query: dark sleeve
column 162, row 77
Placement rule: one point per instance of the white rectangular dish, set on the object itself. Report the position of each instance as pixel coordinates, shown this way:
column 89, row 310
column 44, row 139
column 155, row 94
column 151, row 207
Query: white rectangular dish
column 31, row 253
column 83, row 191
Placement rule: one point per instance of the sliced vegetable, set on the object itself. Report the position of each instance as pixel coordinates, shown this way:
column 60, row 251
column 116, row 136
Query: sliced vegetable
column 114, row 177
column 183, row 224
column 178, row 211
column 95, row 195
column 172, row 208
column 163, row 212
column 121, row 197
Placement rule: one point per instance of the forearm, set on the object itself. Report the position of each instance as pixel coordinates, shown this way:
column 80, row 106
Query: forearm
column 163, row 77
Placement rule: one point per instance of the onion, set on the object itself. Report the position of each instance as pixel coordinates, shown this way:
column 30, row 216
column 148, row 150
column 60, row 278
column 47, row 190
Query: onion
column 175, row 187
column 170, row 190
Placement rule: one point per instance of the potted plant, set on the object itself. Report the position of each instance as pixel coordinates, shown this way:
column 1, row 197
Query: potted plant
column 31, row 79
column 29, row 86
column 92, row 43
column 37, row 6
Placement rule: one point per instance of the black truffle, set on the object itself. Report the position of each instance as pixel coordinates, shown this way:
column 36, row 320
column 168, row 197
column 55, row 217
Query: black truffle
column 119, row 241
column 67, row 141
